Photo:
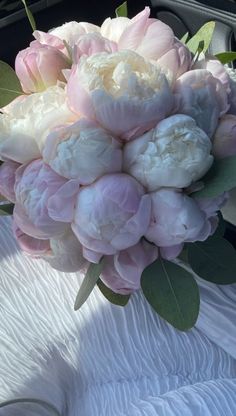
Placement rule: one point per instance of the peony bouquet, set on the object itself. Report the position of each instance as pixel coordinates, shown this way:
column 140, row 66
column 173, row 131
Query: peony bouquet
column 118, row 149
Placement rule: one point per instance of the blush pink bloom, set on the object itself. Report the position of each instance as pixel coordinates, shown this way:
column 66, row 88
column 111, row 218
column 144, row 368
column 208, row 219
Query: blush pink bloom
column 121, row 91
column 175, row 219
column 224, row 139
column 92, row 43
column 215, row 67
column 82, row 151
column 202, row 97
column 39, row 211
column 72, row 31
column 150, row 38
column 211, row 206
column 112, row 214
column 39, row 67
column 7, row 180
column 30, row 245
column 176, row 61
column 122, row 272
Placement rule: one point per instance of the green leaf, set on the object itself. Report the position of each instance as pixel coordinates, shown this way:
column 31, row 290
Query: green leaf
column 10, row 87
column 213, row 260
column 226, row 57
column 185, row 38
column 113, row 297
column 6, row 209
column 30, row 16
column 201, row 40
column 220, row 231
column 122, row 10
column 220, row 178
column 172, row 292
column 88, row 284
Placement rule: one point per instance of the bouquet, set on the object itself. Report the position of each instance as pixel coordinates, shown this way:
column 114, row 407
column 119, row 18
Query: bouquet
column 118, row 151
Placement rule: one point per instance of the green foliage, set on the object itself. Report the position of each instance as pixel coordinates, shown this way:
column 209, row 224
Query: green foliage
column 10, row 87
column 184, row 39
column 30, row 16
column 213, row 260
column 226, row 57
column 113, row 297
column 6, row 209
column 220, row 178
column 201, row 40
column 122, row 10
column 89, row 281
column 172, row 292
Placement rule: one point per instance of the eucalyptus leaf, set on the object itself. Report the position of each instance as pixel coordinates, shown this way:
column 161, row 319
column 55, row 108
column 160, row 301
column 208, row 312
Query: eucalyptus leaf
column 172, row 292
column 6, row 209
column 201, row 40
column 88, row 283
column 185, row 38
column 113, row 297
column 226, row 57
column 10, row 87
column 220, row 178
column 213, row 260
column 30, row 16
column 122, row 10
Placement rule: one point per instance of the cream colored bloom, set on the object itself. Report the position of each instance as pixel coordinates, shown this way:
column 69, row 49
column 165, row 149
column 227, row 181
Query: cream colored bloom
column 27, row 120
column 174, row 154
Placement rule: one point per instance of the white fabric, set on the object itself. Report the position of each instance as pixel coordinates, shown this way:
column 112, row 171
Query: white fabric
column 105, row 360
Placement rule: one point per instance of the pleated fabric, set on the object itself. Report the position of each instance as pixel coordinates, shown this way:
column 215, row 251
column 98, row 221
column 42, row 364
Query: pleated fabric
column 106, row 360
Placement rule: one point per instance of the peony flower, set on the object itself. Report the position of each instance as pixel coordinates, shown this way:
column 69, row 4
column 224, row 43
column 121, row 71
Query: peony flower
column 72, row 31
column 39, row 67
column 150, row 38
column 66, row 253
column 83, row 151
column 175, row 154
column 211, row 206
column 112, row 214
column 26, row 122
column 92, row 43
column 175, row 219
column 215, row 67
column 122, row 272
column 176, row 60
column 124, row 93
column 224, row 139
column 30, row 245
column 7, row 180
column 39, row 212
column 202, row 97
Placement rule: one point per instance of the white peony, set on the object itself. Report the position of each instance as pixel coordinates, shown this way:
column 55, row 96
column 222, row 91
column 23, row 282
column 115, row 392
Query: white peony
column 72, row 31
column 82, row 151
column 26, row 122
column 174, row 154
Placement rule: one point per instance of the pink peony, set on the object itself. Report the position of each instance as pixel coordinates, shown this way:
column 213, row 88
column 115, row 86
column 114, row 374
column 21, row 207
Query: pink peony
column 36, row 211
column 30, row 245
column 224, row 139
column 175, row 219
column 202, row 97
column 92, row 43
column 39, row 67
column 112, row 214
column 7, row 180
column 122, row 272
